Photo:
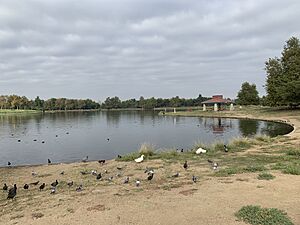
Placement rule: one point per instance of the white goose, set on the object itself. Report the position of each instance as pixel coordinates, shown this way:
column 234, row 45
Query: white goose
column 200, row 151
column 140, row 159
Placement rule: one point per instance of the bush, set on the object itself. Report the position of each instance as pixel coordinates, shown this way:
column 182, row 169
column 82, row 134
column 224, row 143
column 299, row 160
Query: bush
column 256, row 215
column 265, row 176
column 238, row 144
column 292, row 169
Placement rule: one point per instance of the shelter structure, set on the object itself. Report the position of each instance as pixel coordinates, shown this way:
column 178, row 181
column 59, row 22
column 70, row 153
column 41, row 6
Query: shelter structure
column 218, row 102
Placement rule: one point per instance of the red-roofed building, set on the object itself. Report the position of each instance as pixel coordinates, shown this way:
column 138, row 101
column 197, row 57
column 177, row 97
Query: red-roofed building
column 217, row 101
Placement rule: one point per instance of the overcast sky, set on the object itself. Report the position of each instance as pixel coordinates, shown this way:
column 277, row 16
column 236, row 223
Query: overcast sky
column 132, row 48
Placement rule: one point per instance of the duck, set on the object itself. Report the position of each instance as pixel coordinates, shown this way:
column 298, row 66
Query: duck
column 102, row 161
column 26, row 186
column 53, row 190
column 215, row 165
column 49, row 161
column 200, row 151
column 12, row 192
column 140, row 159
column 9, row 163
column 137, row 183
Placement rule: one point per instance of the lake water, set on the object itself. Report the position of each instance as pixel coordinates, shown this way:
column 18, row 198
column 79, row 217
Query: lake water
column 69, row 136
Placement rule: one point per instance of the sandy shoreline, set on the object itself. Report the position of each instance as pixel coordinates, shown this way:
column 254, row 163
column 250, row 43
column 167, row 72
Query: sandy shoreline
column 164, row 200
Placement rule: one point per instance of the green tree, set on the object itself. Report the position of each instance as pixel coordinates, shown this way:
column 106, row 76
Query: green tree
column 283, row 76
column 248, row 95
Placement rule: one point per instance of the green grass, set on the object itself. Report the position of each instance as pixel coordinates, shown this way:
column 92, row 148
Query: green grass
column 256, row 215
column 237, row 170
column 265, row 176
column 15, row 111
column 292, row 169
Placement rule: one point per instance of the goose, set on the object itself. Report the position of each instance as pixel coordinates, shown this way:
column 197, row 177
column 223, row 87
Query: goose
column 185, row 165
column 12, row 192
column 85, row 159
column 5, row 187
column 26, row 186
column 200, row 151
column 140, row 159
column 42, row 186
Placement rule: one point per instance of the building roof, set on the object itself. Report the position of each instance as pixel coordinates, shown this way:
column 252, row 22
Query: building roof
column 217, row 99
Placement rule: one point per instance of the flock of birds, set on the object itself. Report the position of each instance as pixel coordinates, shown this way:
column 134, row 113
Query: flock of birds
column 12, row 192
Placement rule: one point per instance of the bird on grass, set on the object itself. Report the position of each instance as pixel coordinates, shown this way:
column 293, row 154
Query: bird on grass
column 175, row 175
column 225, row 148
column 126, row 181
column 26, row 186
column 150, row 175
column 42, row 186
column 181, row 150
column 85, row 159
column 94, row 172
column 53, row 190
column 35, row 183
column 84, row 172
column 119, row 156
column 137, row 183
column 79, row 188
column 215, row 165
column 62, row 173
column 49, row 161
column 54, row 184
column 12, row 192
column 99, row 176
column 140, row 159
column 70, row 183
column 102, row 161
column 185, row 165
column 200, row 151
column 5, row 187
column 194, row 178
column 210, row 161
column 33, row 173
column 119, row 168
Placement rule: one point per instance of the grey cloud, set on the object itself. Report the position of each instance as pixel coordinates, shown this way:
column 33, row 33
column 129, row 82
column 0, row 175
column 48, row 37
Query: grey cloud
column 130, row 48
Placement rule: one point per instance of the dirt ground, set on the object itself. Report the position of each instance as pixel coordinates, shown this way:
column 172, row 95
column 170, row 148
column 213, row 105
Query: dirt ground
column 163, row 200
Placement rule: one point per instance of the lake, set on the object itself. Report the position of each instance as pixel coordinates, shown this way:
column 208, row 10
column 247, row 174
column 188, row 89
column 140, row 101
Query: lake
column 69, row 136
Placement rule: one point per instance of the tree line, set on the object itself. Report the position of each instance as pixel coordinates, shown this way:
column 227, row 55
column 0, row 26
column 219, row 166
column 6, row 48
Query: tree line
column 283, row 80
column 22, row 102
column 150, row 103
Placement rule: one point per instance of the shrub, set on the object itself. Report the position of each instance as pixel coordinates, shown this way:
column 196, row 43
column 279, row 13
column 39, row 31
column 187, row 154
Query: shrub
column 256, row 215
column 147, row 149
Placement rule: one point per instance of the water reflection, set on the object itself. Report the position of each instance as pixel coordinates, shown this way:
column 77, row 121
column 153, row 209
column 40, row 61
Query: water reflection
column 248, row 128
